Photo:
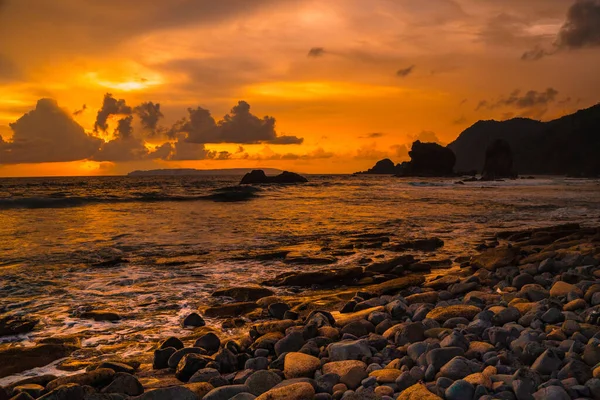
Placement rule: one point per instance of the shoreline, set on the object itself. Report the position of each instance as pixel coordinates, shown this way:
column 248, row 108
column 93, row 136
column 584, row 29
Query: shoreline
column 414, row 310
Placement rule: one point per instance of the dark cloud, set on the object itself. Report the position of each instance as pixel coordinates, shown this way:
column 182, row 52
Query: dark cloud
column 404, row 72
column 316, row 52
column 110, row 106
column 239, row 126
column 182, row 150
column 536, row 53
column 124, row 130
column 581, row 29
column 122, row 150
column 80, row 111
column 373, row 135
column 460, row 120
column 149, row 114
column 516, row 99
column 531, row 104
column 47, row 134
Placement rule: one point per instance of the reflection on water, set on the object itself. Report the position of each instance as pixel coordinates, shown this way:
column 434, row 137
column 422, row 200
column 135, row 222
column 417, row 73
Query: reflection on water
column 153, row 249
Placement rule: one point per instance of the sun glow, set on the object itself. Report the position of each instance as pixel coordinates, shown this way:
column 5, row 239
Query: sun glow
column 126, row 85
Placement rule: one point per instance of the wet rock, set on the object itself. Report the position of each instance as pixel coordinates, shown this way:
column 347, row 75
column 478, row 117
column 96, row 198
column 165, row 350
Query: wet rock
column 69, row 391
column 230, row 310
column 204, row 375
column 100, row 315
column 561, row 289
column 262, row 381
column 168, row 393
column 278, row 310
column 418, row 392
column 458, row 368
column 386, row 375
column 227, row 361
column 300, row 365
column 439, row 357
column 460, row 390
column 161, row 357
column 353, row 377
column 193, row 320
column 551, row 393
column 295, row 391
column 509, row 314
column 179, row 354
column 189, row 365
column 395, row 285
column 31, row 389
column 576, row 369
column 441, row 314
column 210, row 342
column 497, row 257
column 16, row 324
column 226, row 392
column 349, row 350
column 547, row 362
column 98, row 377
column 172, row 342
column 19, row 359
column 244, row 293
column 290, row 343
column 126, row 384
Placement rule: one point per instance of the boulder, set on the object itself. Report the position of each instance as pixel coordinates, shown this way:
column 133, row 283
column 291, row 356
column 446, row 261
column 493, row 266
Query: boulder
column 295, row 391
column 428, row 159
column 495, row 258
column 418, row 392
column 442, row 314
column 349, row 350
column 98, row 377
column 16, row 324
column 300, row 365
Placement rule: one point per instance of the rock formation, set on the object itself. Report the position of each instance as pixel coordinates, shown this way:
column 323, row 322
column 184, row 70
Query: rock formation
column 498, row 161
column 259, row 176
column 428, row 159
column 382, row 167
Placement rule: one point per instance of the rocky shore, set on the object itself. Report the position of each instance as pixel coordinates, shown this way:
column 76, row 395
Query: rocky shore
column 517, row 321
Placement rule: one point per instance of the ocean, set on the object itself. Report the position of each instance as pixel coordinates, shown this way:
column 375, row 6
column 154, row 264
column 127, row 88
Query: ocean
column 153, row 249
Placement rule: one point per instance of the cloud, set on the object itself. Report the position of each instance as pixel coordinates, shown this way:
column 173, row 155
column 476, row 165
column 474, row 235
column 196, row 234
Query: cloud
column 110, row 106
column 426, row 137
column 529, row 99
column 80, row 111
column 269, row 155
column 400, row 151
column 122, row 149
column 460, row 120
column 124, row 130
column 239, row 126
column 47, row 134
column 580, row 30
column 370, row 152
column 404, row 72
column 373, row 135
column 183, row 150
column 532, row 103
column 316, row 52
column 149, row 114
column 8, row 70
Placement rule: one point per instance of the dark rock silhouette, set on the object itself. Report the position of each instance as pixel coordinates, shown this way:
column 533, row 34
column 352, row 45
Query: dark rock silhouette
column 565, row 146
column 382, row 167
column 498, row 161
column 259, row 176
column 428, row 159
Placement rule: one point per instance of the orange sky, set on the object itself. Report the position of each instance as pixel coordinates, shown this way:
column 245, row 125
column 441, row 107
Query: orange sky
column 353, row 80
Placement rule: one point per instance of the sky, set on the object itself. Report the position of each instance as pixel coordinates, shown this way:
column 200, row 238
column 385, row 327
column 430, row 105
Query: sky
column 106, row 87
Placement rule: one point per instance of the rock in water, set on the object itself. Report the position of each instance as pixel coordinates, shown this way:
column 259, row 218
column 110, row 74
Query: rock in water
column 498, row 161
column 18, row 359
column 382, row 167
column 259, row 176
column 428, row 159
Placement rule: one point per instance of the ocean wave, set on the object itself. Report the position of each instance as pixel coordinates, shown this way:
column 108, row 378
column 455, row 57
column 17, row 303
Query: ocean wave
column 218, row 195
